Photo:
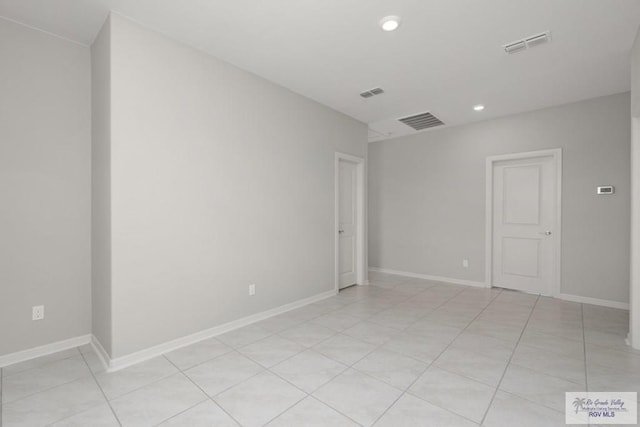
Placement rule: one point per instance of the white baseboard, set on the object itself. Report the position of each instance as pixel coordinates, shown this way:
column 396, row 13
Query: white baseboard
column 429, row 277
column 594, row 301
column 43, row 350
column 102, row 354
column 566, row 297
column 115, row 364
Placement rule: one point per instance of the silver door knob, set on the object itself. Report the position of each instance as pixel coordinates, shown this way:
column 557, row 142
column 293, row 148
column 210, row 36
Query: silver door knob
column 546, row 233
column 340, row 231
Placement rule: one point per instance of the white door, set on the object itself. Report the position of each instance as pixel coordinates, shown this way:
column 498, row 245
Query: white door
column 524, row 209
column 347, row 222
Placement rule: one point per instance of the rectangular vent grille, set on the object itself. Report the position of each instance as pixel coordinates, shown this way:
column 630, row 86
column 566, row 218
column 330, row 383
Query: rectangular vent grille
column 372, row 92
column 527, row 43
column 422, row 121
column 515, row 47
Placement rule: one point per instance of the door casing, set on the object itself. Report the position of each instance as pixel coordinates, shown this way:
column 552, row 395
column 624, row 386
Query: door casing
column 361, row 218
column 556, row 154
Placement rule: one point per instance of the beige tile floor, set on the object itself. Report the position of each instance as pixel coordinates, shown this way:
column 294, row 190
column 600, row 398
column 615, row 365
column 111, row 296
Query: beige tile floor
column 401, row 352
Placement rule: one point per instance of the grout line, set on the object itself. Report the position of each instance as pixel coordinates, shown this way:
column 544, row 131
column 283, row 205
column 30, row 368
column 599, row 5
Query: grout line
column 400, row 330
column 584, row 347
column 351, row 366
column 348, row 366
column 7, row 375
column 205, row 393
column 268, row 370
column 440, row 354
column 287, row 408
column 44, row 389
column 100, row 387
column 331, row 407
column 540, row 374
column 344, row 304
column 185, row 410
column 533, row 402
column 253, row 376
column 273, row 333
column 509, row 361
column 263, row 369
column 157, row 380
column 77, row 379
column 47, row 388
column 231, row 350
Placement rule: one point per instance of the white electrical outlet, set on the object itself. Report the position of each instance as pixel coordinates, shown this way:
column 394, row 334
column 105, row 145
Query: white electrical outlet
column 465, row 263
column 252, row 289
column 37, row 312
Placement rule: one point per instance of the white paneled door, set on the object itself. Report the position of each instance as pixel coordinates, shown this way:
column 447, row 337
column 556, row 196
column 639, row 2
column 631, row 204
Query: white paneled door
column 347, row 223
column 524, row 217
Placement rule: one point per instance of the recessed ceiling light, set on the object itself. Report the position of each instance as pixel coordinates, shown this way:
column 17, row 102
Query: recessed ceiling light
column 390, row 23
column 478, row 107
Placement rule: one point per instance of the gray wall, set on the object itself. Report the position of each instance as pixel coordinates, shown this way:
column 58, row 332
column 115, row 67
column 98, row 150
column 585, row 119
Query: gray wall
column 101, row 186
column 219, row 179
column 635, row 77
column 427, row 194
column 45, row 209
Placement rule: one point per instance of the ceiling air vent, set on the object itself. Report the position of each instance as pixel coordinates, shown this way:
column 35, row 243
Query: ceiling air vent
column 527, row 42
column 515, row 47
column 422, row 121
column 372, row 92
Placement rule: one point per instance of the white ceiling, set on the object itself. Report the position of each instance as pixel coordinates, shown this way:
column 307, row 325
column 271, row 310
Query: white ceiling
column 445, row 57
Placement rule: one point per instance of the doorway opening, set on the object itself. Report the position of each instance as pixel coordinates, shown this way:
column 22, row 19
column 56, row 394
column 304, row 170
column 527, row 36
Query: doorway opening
column 523, row 228
column 349, row 230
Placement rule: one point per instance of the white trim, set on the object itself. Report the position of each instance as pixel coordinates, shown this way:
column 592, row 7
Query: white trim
column 43, row 350
column 361, row 262
column 122, row 362
column 556, row 154
column 49, row 33
column 430, row 277
column 634, row 273
column 102, row 354
column 594, row 301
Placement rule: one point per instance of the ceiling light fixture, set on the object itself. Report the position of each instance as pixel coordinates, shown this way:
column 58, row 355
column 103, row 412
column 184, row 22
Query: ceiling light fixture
column 478, row 107
column 390, row 23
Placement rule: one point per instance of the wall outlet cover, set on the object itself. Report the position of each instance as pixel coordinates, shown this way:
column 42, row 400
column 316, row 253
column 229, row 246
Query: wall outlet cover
column 37, row 312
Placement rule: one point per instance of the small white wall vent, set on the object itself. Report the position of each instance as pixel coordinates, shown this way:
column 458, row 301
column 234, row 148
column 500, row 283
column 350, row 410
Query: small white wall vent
column 372, row 92
column 527, row 42
column 421, row 121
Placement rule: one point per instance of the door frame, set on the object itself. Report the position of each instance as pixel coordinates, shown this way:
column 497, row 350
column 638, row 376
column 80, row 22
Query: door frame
column 360, row 215
column 556, row 154
column 634, row 295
